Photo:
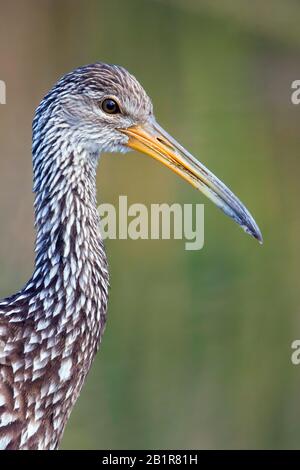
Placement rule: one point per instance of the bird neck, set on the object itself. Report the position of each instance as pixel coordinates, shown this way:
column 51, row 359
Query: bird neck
column 70, row 257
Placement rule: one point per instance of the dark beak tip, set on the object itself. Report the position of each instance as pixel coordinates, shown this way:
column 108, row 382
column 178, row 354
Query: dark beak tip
column 251, row 228
column 255, row 233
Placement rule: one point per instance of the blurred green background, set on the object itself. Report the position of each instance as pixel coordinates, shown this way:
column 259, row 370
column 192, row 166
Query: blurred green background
column 197, row 348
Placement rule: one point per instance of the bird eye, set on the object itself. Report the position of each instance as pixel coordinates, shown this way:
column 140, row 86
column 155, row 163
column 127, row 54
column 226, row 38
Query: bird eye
column 110, row 106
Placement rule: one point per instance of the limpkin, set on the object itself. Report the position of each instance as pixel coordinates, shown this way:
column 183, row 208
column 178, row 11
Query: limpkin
column 51, row 329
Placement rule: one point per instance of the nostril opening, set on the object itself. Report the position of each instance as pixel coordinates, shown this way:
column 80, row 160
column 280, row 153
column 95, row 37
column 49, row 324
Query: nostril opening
column 165, row 142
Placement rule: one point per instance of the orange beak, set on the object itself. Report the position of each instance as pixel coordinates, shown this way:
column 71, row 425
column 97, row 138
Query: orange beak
column 152, row 140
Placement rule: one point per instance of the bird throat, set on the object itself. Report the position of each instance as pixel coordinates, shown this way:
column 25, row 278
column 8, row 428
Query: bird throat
column 70, row 257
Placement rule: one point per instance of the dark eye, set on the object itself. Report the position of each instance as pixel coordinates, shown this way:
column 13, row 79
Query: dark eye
column 109, row 106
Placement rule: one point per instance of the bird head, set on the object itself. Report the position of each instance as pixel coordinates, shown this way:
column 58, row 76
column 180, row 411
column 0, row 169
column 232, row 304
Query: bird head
column 107, row 110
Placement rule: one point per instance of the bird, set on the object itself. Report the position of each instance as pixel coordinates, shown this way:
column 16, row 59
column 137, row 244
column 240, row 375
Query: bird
column 52, row 328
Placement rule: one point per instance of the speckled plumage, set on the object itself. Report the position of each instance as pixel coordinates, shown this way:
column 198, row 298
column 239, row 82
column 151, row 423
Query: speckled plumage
column 50, row 331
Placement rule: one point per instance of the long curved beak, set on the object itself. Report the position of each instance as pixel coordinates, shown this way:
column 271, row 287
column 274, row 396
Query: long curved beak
column 154, row 141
